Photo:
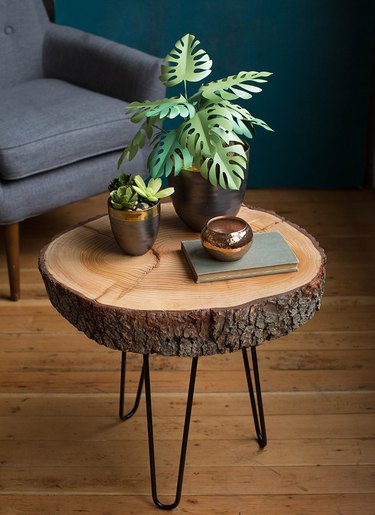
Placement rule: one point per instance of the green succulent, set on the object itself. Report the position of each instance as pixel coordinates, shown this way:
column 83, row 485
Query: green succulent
column 122, row 180
column 124, row 198
column 152, row 191
column 210, row 136
column 128, row 191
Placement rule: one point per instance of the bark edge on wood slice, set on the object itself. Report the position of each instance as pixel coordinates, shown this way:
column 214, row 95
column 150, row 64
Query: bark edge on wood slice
column 184, row 332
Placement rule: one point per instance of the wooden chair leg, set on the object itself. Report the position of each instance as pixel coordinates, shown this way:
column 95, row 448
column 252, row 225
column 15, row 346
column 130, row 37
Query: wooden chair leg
column 12, row 248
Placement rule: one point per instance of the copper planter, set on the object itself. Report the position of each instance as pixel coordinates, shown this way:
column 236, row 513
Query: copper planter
column 135, row 231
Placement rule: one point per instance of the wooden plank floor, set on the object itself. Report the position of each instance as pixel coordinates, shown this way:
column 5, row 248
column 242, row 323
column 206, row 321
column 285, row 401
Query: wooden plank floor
column 63, row 450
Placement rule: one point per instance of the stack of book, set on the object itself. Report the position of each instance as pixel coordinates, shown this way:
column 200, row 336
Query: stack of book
column 268, row 254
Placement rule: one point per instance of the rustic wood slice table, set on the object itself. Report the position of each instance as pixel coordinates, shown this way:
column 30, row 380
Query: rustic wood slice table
column 150, row 304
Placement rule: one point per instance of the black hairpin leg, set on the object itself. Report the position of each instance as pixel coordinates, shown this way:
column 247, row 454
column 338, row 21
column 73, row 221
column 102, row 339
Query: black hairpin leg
column 126, row 416
column 184, row 438
column 258, row 415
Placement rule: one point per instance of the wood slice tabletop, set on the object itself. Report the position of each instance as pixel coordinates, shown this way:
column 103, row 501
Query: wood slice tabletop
column 150, row 303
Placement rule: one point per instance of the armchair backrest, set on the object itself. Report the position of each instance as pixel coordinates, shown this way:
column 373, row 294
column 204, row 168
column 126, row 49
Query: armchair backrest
column 22, row 27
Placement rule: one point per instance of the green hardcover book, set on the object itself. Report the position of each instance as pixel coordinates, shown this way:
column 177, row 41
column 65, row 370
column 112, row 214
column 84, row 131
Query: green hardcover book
column 268, row 254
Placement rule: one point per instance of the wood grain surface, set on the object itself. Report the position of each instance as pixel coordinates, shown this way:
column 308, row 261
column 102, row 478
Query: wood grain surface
column 150, row 304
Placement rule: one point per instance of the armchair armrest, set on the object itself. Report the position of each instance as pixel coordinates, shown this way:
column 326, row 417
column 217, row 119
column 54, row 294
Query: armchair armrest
column 101, row 65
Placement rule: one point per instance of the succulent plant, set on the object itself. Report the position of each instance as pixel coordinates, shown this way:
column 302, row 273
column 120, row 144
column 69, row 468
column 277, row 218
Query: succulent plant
column 152, row 191
column 129, row 192
column 122, row 180
column 124, row 198
column 210, row 136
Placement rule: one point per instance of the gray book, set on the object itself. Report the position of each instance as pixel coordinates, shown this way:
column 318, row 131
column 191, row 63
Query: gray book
column 268, row 254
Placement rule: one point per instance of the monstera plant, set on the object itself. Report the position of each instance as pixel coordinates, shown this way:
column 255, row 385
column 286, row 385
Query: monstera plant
column 210, row 137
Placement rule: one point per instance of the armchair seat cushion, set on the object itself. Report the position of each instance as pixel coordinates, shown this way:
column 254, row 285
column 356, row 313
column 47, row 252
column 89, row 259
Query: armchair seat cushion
column 49, row 123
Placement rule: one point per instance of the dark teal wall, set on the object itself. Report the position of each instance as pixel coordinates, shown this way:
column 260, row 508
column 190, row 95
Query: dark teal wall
column 320, row 51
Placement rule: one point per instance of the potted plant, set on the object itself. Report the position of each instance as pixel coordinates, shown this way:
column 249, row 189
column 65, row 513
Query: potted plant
column 209, row 140
column 134, row 212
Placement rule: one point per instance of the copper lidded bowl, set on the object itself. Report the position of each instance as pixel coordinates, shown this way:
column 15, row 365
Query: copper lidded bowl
column 227, row 238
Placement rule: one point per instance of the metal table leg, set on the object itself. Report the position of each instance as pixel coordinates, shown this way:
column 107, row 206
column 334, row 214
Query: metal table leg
column 258, row 414
column 184, row 438
column 256, row 406
column 122, row 415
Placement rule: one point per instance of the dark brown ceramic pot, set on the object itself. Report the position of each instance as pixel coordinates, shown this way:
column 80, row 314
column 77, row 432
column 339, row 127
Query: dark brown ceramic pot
column 196, row 201
column 135, row 231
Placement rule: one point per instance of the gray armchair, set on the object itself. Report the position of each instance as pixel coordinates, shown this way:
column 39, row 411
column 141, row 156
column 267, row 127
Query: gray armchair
column 62, row 122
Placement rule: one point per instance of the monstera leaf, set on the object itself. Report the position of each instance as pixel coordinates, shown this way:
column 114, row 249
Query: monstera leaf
column 185, row 62
column 236, row 110
column 242, row 128
column 131, row 150
column 226, row 137
column 167, row 155
column 261, row 123
column 165, row 108
column 226, row 167
column 233, row 87
column 196, row 133
column 243, row 121
column 240, row 117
